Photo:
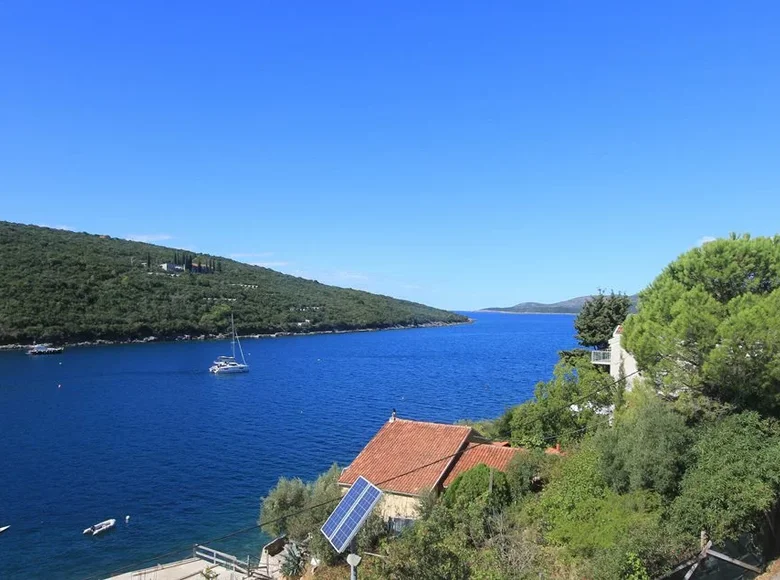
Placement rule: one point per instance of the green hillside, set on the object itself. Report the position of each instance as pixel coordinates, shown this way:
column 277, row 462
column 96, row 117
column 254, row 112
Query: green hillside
column 61, row 286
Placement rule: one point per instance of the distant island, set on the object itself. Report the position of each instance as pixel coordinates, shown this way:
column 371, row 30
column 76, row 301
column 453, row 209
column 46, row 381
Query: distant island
column 66, row 287
column 571, row 306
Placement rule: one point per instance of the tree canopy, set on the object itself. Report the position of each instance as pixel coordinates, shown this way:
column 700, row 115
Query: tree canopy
column 61, row 286
column 709, row 323
column 599, row 316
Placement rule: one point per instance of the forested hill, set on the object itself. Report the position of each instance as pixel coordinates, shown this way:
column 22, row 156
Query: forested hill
column 61, row 286
column 571, row 306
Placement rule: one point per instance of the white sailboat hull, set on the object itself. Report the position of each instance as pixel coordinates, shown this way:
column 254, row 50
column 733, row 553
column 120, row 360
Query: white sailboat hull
column 229, row 369
column 4, row 528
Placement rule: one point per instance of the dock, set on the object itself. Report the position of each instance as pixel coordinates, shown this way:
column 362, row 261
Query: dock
column 217, row 565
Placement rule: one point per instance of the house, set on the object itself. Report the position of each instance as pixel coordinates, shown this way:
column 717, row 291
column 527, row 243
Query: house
column 171, row 267
column 621, row 362
column 407, row 459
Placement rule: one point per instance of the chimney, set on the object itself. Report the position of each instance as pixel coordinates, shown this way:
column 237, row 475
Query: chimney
column 392, row 416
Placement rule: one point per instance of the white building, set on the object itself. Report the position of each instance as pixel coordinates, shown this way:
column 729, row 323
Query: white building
column 621, row 362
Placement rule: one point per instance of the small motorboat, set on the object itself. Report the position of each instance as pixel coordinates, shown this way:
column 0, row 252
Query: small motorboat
column 100, row 528
column 4, row 528
column 39, row 349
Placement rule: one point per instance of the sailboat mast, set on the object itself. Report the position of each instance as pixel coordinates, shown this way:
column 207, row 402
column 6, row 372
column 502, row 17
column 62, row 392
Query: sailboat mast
column 233, row 336
column 241, row 350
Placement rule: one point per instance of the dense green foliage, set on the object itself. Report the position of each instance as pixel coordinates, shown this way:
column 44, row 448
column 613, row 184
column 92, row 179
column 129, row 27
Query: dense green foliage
column 598, row 318
column 735, row 479
column 564, row 407
column 646, row 449
column 475, row 484
column 528, row 472
column 294, row 495
column 63, row 286
column 709, row 324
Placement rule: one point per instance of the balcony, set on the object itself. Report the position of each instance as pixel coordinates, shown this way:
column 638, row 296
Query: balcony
column 600, row 357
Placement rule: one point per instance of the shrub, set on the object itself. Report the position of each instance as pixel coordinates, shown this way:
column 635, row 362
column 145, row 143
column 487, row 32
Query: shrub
column 647, row 448
column 475, row 484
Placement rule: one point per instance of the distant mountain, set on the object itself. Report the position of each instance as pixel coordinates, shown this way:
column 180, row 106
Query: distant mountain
column 571, row 306
column 62, row 286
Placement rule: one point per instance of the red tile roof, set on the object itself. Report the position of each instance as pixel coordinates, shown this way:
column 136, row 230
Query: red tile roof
column 401, row 446
column 475, row 454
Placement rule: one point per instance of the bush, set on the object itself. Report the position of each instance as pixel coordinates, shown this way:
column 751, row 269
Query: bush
column 548, row 418
column 475, row 484
column 293, row 562
column 293, row 495
column 528, row 471
column 648, row 448
column 734, row 480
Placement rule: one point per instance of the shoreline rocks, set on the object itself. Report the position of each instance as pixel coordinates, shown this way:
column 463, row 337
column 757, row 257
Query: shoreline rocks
column 187, row 337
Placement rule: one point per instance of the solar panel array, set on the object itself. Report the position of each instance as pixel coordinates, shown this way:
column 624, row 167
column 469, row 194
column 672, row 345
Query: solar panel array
column 348, row 517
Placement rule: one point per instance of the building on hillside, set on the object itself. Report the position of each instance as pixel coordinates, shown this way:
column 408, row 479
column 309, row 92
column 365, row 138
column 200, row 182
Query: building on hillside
column 621, row 362
column 171, row 267
column 408, row 459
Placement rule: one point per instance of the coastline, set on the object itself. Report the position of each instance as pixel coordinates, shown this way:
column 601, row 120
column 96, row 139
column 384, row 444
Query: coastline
column 512, row 312
column 204, row 337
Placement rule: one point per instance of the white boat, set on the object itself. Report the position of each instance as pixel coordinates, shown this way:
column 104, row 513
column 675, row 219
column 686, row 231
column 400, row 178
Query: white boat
column 100, row 528
column 38, row 349
column 4, row 528
column 228, row 364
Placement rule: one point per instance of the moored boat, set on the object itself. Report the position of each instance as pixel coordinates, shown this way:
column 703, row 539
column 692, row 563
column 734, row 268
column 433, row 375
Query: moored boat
column 229, row 364
column 229, row 367
column 100, row 527
column 38, row 349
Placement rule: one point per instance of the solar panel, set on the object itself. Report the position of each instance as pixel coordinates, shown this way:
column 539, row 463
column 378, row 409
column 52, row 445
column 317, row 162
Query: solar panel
column 353, row 509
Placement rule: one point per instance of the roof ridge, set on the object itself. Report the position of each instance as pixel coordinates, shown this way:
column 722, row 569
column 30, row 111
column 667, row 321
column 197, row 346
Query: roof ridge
column 398, row 420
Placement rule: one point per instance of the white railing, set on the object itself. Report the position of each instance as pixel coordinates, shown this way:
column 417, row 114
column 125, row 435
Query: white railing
column 600, row 357
column 227, row 561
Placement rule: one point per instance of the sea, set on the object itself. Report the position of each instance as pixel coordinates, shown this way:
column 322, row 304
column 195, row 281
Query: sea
column 145, row 431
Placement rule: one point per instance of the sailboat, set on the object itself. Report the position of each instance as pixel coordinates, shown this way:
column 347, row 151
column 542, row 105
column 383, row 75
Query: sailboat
column 229, row 364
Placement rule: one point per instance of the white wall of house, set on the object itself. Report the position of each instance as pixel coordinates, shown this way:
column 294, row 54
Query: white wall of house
column 620, row 357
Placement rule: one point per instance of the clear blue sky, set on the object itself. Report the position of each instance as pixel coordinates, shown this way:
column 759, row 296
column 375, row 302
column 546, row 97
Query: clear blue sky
column 460, row 154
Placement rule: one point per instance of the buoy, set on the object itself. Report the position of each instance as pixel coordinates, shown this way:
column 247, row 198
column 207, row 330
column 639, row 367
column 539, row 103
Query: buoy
column 59, row 386
column 127, row 519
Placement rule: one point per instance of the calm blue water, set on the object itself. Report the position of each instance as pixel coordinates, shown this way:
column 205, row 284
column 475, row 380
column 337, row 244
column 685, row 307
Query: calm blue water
column 145, row 430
